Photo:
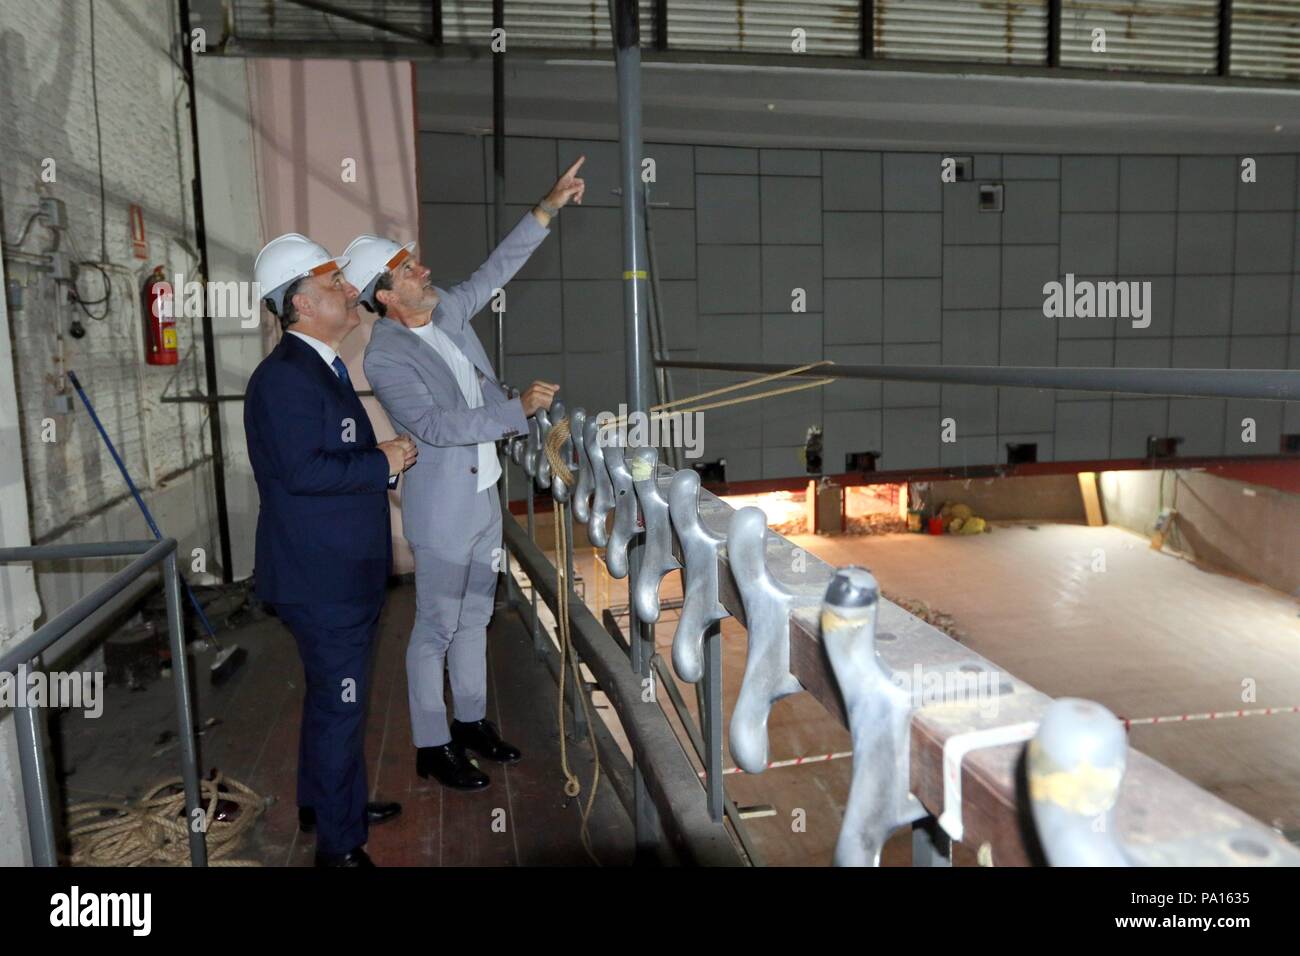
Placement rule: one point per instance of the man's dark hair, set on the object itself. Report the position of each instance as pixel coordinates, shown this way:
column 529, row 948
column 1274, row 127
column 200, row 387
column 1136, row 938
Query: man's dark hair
column 288, row 315
column 385, row 281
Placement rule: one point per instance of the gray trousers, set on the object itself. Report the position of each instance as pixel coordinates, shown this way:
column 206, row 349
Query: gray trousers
column 455, row 588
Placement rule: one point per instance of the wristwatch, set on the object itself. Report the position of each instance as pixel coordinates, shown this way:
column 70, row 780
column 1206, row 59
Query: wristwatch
column 547, row 208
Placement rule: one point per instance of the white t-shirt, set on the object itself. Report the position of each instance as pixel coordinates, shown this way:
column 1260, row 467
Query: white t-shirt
column 467, row 379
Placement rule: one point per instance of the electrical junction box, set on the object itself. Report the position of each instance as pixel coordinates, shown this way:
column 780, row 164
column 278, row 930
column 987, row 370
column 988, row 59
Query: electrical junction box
column 54, row 212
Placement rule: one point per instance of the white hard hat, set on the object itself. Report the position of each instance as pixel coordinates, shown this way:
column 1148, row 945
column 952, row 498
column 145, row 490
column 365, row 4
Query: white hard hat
column 368, row 258
column 287, row 258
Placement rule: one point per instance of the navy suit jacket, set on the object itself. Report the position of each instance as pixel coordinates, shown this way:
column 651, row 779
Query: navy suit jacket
column 322, row 530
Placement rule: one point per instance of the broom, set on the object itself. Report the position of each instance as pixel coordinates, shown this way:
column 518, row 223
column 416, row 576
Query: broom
column 228, row 659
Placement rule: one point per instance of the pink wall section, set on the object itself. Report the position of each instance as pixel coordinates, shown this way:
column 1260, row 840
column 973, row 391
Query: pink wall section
column 310, row 116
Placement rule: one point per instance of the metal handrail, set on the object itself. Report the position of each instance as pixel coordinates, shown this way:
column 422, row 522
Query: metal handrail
column 1273, row 385
column 31, row 728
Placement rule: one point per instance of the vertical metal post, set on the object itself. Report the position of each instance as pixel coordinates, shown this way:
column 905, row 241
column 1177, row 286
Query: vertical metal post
column 627, row 60
column 30, row 725
column 711, row 718
column 576, row 689
column 1225, row 37
column 184, row 710
column 930, row 845
column 626, row 32
column 499, row 217
column 538, row 647
column 1053, row 33
column 209, row 340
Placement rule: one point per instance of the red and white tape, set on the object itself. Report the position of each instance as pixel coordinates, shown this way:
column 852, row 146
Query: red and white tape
column 794, row 762
column 1212, row 715
column 1128, row 723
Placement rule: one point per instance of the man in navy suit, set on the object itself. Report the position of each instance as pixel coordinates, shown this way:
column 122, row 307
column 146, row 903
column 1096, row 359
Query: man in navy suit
column 324, row 548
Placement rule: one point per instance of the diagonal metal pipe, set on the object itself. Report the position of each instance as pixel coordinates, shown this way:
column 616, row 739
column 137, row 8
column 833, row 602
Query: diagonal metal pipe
column 1265, row 384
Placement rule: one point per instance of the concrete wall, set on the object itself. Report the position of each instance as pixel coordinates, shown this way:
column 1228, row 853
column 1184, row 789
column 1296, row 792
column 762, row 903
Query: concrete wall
column 1240, row 528
column 311, row 117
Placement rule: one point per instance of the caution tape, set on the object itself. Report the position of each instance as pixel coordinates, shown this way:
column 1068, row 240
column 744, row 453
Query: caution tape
column 1212, row 715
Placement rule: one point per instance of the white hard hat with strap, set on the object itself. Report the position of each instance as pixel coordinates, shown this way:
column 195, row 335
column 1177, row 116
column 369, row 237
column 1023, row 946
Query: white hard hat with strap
column 286, row 259
column 368, row 258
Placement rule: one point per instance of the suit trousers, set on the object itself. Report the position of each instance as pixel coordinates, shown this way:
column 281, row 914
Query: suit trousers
column 455, row 589
column 336, row 643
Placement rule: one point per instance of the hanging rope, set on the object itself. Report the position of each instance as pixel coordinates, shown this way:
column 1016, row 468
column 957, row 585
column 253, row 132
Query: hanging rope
column 155, row 830
column 555, row 439
column 560, row 432
column 572, row 786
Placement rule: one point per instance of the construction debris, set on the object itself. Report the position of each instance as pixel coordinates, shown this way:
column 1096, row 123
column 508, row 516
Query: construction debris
column 878, row 523
column 935, row 618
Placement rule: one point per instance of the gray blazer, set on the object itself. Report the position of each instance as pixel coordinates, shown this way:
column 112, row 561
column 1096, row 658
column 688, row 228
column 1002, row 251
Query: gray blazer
column 420, row 395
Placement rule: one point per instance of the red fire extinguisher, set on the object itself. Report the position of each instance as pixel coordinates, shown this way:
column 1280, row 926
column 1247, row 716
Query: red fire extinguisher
column 159, row 320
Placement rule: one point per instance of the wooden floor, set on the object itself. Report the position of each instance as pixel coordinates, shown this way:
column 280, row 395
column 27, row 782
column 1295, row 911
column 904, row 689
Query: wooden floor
column 522, row 818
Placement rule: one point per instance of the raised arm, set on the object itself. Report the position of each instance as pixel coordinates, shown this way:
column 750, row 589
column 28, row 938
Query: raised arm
column 464, row 300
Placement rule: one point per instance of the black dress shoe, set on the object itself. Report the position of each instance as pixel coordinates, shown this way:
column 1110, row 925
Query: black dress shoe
column 450, row 766
column 482, row 738
column 375, row 813
column 355, row 857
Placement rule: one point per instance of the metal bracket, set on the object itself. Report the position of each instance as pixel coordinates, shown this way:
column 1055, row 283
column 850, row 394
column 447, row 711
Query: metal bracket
column 560, row 490
column 582, row 481
column 657, row 558
column 1075, row 765
column 516, row 450
column 602, row 501
column 767, row 617
column 626, row 516
column 543, row 466
column 700, row 547
column 880, row 719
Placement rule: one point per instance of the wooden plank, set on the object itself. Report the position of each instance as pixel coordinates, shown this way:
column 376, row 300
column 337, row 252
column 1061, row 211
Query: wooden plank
column 1091, row 500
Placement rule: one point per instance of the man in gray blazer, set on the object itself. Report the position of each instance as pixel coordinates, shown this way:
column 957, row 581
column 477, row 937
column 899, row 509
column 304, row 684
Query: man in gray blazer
column 430, row 372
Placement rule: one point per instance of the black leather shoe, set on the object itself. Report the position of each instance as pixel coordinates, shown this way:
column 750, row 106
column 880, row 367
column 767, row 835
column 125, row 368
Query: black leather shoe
column 482, row 738
column 375, row 813
column 450, row 766
column 355, row 857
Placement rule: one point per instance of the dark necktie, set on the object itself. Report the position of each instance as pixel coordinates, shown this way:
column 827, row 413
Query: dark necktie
column 341, row 370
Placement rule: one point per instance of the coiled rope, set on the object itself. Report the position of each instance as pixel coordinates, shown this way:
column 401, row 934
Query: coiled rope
column 155, row 831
